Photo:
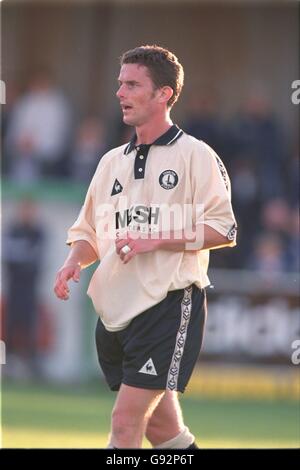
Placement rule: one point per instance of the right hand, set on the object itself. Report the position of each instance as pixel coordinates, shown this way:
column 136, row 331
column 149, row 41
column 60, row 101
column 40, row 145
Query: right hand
column 67, row 272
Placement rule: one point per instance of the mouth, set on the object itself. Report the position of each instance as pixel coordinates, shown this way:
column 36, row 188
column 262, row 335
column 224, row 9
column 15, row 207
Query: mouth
column 126, row 107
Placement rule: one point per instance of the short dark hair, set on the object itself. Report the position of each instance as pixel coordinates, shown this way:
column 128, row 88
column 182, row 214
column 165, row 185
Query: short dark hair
column 164, row 67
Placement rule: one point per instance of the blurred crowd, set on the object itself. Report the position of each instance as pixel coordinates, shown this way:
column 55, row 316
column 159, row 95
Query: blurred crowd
column 263, row 163
column 42, row 139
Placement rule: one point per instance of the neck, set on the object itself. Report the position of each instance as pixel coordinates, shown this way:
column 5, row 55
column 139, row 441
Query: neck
column 149, row 132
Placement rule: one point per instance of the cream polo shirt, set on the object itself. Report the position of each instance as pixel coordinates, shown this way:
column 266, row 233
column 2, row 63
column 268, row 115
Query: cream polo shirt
column 139, row 189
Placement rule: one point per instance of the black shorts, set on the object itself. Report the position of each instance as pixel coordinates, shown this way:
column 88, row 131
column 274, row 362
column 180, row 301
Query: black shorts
column 160, row 347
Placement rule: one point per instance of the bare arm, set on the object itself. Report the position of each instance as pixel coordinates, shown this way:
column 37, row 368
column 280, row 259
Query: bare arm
column 81, row 256
column 210, row 238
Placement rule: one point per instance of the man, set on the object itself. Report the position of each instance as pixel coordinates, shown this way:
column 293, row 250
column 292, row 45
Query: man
column 149, row 287
column 38, row 131
column 23, row 244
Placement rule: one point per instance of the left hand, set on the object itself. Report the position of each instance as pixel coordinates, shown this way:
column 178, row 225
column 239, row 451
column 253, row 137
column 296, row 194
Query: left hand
column 136, row 245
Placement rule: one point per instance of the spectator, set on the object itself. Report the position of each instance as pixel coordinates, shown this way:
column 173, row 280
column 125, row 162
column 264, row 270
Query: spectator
column 293, row 245
column 23, row 246
column 245, row 195
column 268, row 257
column 90, row 145
column 203, row 121
column 257, row 137
column 291, row 178
column 275, row 217
column 12, row 93
column 38, row 132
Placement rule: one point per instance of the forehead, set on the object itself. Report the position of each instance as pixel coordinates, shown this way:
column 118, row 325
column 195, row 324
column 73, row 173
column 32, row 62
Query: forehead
column 134, row 72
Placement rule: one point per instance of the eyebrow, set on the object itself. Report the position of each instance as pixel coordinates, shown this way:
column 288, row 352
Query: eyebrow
column 128, row 82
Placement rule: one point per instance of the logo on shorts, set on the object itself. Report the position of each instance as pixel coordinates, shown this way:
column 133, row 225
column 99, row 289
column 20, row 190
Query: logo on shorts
column 148, row 368
column 168, row 179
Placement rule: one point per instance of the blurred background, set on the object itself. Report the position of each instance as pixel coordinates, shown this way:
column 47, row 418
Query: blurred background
column 60, row 67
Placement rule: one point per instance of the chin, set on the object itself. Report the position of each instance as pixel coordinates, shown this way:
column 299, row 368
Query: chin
column 129, row 121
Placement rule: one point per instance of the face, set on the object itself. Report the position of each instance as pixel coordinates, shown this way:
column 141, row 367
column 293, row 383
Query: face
column 139, row 101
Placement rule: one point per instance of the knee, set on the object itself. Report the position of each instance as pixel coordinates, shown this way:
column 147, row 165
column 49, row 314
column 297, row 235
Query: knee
column 124, row 425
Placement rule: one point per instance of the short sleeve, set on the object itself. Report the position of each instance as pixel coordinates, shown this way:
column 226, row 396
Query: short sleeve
column 211, row 191
column 84, row 226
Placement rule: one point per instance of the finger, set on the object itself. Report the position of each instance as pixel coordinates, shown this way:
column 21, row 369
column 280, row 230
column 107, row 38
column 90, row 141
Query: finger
column 76, row 275
column 62, row 283
column 61, row 286
column 128, row 256
column 61, row 294
column 121, row 253
column 61, row 289
column 118, row 246
column 121, row 244
column 120, row 241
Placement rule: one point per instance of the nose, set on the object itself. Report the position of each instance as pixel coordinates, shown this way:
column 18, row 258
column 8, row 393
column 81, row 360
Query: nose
column 120, row 92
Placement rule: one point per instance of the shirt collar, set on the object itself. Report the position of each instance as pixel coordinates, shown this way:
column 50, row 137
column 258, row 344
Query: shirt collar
column 168, row 138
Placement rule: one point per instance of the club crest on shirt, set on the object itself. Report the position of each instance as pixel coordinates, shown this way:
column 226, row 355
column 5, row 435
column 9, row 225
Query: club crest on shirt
column 168, row 179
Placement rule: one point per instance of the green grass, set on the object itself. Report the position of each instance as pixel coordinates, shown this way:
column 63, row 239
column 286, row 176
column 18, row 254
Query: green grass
column 77, row 417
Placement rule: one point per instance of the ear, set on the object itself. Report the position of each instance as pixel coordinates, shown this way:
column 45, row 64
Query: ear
column 166, row 92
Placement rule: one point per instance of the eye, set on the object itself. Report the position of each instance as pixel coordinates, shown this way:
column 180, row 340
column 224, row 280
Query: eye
column 132, row 84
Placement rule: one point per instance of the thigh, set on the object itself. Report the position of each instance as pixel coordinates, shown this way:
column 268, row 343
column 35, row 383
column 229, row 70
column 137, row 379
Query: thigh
column 168, row 412
column 166, row 421
column 136, row 403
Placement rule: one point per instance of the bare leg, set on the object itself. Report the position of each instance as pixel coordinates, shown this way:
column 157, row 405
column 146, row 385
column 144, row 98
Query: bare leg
column 166, row 428
column 130, row 415
column 166, row 421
